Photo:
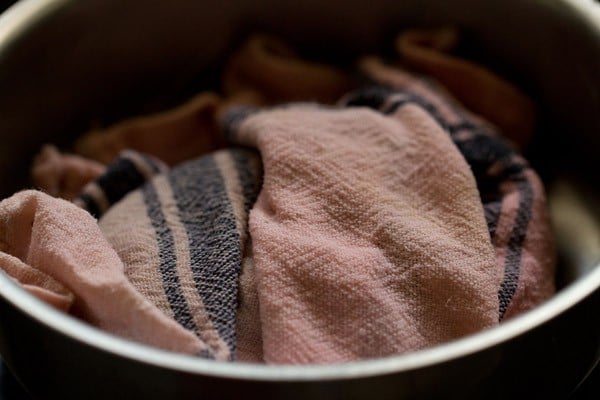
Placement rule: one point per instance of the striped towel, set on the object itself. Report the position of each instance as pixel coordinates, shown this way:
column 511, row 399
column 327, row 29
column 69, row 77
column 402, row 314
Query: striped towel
column 159, row 224
column 511, row 192
column 288, row 274
column 368, row 235
column 127, row 172
column 57, row 252
column 181, row 235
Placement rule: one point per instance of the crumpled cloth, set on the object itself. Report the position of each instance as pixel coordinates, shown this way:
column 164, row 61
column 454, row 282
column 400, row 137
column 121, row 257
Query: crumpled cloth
column 57, row 252
column 511, row 192
column 359, row 259
column 128, row 172
column 425, row 226
column 476, row 87
column 266, row 71
column 181, row 237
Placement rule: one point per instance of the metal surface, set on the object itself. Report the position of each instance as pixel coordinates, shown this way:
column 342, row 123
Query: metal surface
column 64, row 64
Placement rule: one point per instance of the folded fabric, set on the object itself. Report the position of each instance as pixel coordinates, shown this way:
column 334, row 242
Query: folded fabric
column 128, row 172
column 248, row 325
column 392, row 222
column 266, row 71
column 267, row 66
column 39, row 284
column 64, row 244
column 368, row 236
column 263, row 71
column 181, row 237
column 63, row 175
column 478, row 88
column 173, row 135
column 511, row 192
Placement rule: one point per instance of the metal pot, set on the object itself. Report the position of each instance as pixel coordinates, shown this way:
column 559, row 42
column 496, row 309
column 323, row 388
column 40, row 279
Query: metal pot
column 64, row 63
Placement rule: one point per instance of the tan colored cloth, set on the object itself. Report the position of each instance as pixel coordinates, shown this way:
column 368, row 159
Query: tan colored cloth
column 63, row 175
column 248, row 325
column 39, row 284
column 269, row 67
column 479, row 89
column 263, row 71
column 172, row 136
column 266, row 71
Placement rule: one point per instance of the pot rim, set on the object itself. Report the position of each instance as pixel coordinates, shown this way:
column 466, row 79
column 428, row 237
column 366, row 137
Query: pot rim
column 26, row 13
column 89, row 335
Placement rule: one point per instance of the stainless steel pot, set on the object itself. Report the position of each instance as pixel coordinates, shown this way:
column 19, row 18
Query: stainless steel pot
column 64, row 63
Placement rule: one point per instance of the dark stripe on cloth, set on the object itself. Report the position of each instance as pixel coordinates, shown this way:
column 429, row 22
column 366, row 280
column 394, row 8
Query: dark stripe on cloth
column 167, row 259
column 512, row 264
column 231, row 120
column 481, row 150
column 244, row 161
column 492, row 214
column 90, row 204
column 215, row 256
column 120, row 178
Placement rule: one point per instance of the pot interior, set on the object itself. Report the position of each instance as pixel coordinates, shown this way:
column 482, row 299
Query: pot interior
column 75, row 64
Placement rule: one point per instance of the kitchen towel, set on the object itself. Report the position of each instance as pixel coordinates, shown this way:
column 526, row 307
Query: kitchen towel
column 511, row 192
column 57, row 251
column 128, row 172
column 369, row 237
column 181, row 237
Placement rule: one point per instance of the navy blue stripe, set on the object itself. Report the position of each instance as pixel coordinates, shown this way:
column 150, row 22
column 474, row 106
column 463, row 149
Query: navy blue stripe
column 89, row 204
column 214, row 243
column 167, row 259
column 232, row 119
column 481, row 151
column 244, row 161
column 512, row 265
column 121, row 177
column 421, row 102
column 492, row 215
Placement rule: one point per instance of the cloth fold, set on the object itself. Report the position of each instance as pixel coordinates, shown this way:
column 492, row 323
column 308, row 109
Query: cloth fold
column 511, row 192
column 394, row 220
column 64, row 243
column 266, row 71
column 181, row 237
column 173, row 136
column 128, row 172
column 63, row 175
column 267, row 66
column 356, row 258
column 479, row 89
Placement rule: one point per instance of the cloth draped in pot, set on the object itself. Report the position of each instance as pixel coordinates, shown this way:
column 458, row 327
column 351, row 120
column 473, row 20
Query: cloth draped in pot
column 393, row 221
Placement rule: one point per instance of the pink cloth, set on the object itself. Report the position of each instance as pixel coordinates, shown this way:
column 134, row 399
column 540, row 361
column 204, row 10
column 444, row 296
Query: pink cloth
column 513, row 195
column 74, row 263
column 369, row 237
column 63, row 175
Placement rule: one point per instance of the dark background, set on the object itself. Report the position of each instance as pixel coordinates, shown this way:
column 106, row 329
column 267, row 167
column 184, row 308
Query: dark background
column 10, row 389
